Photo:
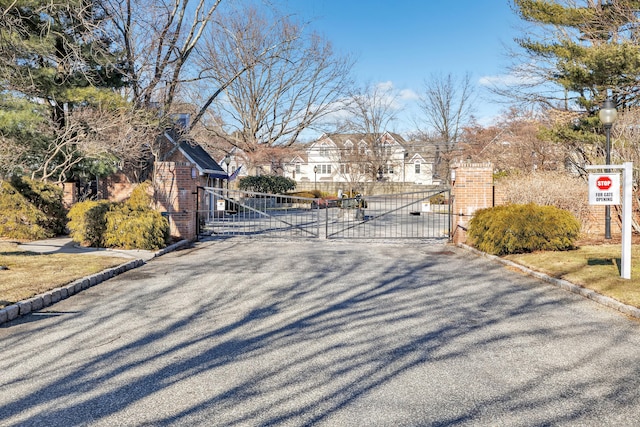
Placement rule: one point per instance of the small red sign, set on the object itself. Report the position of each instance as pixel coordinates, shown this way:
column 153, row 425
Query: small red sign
column 603, row 183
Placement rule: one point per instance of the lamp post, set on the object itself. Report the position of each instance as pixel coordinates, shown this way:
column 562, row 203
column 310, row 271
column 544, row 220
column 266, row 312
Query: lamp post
column 227, row 160
column 607, row 115
column 315, row 177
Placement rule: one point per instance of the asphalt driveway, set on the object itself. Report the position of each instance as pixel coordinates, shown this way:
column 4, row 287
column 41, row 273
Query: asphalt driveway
column 253, row 333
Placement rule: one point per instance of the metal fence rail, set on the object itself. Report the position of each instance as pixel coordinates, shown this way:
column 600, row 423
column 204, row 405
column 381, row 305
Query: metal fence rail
column 232, row 213
column 406, row 215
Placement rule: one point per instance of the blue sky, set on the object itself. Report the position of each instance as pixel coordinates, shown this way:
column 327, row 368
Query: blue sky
column 406, row 41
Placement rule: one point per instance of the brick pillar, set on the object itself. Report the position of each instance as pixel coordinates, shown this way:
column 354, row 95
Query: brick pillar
column 70, row 194
column 175, row 186
column 471, row 190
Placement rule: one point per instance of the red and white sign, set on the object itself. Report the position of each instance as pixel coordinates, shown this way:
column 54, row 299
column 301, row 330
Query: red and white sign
column 603, row 183
column 604, row 189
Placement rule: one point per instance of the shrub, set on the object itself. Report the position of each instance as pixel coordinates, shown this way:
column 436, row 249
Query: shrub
column 134, row 224
column 438, row 199
column 87, row 222
column 267, row 184
column 31, row 210
column 47, row 198
column 511, row 229
column 135, row 229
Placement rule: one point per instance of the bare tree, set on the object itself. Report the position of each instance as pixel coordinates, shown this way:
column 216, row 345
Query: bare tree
column 275, row 80
column 518, row 143
column 446, row 105
column 159, row 38
column 91, row 134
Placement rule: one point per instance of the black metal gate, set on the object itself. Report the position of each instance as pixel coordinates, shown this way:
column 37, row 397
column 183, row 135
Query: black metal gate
column 416, row 215
column 246, row 213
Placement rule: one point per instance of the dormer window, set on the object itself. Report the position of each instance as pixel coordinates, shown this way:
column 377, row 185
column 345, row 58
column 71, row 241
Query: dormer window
column 348, row 147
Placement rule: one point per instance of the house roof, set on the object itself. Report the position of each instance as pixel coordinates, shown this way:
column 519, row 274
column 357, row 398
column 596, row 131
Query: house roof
column 198, row 156
column 203, row 161
column 340, row 139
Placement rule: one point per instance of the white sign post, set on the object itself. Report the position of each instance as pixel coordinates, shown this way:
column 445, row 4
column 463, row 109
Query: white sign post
column 605, row 190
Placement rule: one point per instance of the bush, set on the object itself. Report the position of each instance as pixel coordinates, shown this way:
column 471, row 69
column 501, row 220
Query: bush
column 31, row 210
column 135, row 229
column 87, row 222
column 47, row 198
column 267, row 184
column 132, row 224
column 512, row 229
column 438, row 199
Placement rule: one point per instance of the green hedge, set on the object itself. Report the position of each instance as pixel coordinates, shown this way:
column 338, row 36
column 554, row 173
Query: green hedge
column 132, row 224
column 512, row 229
column 31, row 210
column 267, row 184
column 87, row 222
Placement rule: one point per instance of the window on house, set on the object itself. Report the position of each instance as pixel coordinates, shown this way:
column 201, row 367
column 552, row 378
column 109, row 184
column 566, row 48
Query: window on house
column 348, row 147
column 297, row 167
column 325, row 169
column 324, row 151
column 417, row 168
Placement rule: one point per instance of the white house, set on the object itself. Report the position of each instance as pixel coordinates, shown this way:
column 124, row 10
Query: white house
column 347, row 158
column 364, row 158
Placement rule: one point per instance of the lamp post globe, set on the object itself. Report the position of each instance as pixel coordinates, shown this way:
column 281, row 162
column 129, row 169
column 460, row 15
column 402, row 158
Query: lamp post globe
column 607, row 115
column 315, row 177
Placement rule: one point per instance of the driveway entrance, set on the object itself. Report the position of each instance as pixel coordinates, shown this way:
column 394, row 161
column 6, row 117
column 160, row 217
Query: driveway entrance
column 278, row 332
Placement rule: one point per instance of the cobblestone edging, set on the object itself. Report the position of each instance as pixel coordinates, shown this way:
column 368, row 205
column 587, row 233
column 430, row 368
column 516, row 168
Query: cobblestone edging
column 563, row 284
column 13, row 311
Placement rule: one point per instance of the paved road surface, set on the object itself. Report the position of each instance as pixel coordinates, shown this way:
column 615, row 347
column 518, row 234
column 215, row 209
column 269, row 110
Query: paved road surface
column 329, row 333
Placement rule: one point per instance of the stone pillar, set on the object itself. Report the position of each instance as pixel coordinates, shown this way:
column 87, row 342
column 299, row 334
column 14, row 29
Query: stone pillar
column 175, row 185
column 471, row 190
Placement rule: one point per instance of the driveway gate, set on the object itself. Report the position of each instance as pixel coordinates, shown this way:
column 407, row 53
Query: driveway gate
column 416, row 215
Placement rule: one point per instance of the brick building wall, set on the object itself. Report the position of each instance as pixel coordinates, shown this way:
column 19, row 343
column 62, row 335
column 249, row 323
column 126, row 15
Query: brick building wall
column 115, row 188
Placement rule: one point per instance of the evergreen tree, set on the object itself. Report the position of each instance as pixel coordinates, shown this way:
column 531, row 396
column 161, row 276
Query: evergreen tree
column 576, row 54
column 55, row 57
column 589, row 50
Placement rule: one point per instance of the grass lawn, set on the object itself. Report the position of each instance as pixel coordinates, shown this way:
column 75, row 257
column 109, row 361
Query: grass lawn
column 595, row 267
column 30, row 273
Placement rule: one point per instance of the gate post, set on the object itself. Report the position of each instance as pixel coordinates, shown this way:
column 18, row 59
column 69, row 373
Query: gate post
column 176, row 194
column 471, row 189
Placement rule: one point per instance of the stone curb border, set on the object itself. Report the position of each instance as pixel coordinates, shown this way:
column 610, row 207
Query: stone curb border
column 13, row 311
column 563, row 284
